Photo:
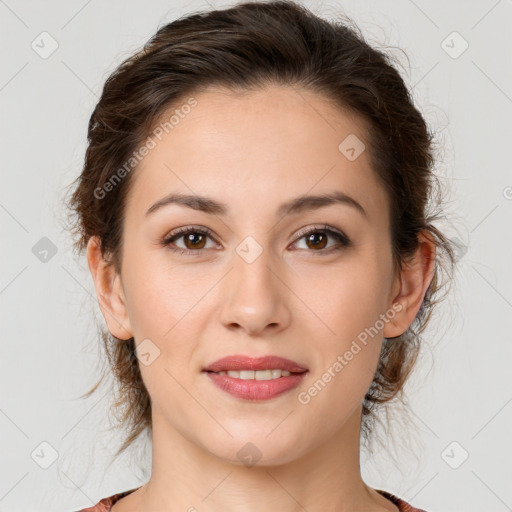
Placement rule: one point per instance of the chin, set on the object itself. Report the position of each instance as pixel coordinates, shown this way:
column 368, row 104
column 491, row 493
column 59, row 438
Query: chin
column 257, row 451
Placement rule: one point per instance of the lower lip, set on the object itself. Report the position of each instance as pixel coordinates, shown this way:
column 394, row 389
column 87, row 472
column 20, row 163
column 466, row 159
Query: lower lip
column 256, row 390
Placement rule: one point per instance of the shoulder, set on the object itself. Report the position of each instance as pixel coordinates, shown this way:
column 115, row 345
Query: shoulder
column 402, row 505
column 105, row 504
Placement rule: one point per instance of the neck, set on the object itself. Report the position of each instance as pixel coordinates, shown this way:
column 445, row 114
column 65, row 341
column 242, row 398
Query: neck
column 185, row 476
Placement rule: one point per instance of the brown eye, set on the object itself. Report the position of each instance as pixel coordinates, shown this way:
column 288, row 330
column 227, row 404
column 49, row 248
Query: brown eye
column 316, row 239
column 194, row 240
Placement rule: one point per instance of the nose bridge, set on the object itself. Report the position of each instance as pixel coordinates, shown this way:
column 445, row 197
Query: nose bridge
column 253, row 295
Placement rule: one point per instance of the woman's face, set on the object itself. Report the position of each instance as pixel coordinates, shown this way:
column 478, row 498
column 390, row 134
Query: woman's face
column 255, row 285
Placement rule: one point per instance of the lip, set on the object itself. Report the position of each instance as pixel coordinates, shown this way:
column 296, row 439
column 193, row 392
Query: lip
column 252, row 389
column 256, row 390
column 242, row 362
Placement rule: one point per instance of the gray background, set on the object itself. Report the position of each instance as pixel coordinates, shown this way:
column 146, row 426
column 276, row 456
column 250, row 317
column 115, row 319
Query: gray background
column 49, row 348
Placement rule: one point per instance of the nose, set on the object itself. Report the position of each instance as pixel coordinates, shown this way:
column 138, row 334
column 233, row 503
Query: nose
column 255, row 297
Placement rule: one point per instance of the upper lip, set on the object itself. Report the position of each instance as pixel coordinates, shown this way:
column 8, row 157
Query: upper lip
column 242, row 362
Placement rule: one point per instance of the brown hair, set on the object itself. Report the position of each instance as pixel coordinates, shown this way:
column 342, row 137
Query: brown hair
column 248, row 46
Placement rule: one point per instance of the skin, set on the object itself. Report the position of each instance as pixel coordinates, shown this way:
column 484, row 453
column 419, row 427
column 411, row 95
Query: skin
column 254, row 151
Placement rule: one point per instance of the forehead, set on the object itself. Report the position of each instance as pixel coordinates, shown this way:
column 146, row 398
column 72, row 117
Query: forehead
column 257, row 149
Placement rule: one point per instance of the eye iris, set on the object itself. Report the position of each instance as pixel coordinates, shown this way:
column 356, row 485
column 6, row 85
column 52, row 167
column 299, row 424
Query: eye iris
column 191, row 236
column 320, row 245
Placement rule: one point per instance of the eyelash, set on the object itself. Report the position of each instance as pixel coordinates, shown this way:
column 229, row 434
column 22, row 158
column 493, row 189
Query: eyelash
column 181, row 232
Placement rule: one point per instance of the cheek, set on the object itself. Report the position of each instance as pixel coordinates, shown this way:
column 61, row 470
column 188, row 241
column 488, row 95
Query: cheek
column 347, row 305
column 160, row 294
column 343, row 300
column 165, row 306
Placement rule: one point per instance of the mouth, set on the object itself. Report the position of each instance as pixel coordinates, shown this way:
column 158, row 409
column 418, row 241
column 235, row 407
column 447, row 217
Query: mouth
column 255, row 379
column 268, row 374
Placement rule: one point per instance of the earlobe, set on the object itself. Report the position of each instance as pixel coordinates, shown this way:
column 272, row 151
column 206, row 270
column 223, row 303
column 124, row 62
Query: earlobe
column 109, row 291
column 414, row 279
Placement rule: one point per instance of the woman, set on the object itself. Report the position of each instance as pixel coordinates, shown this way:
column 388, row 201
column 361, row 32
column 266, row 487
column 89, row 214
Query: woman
column 254, row 207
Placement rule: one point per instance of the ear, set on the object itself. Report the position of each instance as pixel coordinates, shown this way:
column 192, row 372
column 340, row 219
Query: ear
column 109, row 291
column 412, row 283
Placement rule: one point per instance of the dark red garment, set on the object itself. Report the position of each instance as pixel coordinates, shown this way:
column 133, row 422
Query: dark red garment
column 106, row 503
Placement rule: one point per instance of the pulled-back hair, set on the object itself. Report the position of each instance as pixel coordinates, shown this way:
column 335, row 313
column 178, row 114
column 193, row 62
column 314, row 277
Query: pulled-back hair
column 249, row 46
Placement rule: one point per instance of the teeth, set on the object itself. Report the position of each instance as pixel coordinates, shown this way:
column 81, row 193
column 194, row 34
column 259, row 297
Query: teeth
column 256, row 374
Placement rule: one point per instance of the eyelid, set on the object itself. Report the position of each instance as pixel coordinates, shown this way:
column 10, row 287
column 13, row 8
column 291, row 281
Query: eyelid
column 182, row 231
column 187, row 229
column 344, row 242
column 324, row 227
column 311, row 229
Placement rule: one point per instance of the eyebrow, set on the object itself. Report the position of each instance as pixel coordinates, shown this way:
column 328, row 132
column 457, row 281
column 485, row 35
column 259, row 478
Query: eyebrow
column 296, row 205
